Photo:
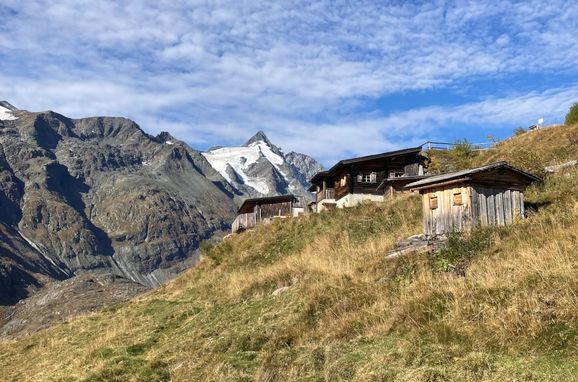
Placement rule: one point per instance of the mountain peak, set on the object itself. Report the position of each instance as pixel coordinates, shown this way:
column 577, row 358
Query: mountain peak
column 259, row 137
column 164, row 137
column 8, row 105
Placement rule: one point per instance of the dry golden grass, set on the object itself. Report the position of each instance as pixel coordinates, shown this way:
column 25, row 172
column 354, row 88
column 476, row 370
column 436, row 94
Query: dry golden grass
column 345, row 311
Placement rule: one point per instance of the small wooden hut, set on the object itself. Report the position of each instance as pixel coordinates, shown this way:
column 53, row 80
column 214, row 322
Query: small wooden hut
column 483, row 196
column 259, row 210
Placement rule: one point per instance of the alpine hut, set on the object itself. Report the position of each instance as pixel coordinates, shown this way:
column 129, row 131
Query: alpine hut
column 255, row 211
column 368, row 178
column 483, row 196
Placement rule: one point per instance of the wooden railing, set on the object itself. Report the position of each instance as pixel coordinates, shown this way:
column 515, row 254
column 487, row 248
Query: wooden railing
column 328, row 194
column 445, row 146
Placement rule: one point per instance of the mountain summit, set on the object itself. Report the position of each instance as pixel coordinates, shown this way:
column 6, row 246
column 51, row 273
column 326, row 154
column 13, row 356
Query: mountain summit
column 260, row 136
column 259, row 168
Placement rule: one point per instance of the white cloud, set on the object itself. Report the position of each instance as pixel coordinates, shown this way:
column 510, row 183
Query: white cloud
column 214, row 72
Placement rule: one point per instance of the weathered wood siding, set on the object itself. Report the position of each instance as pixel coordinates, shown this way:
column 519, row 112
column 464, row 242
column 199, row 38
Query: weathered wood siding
column 243, row 222
column 447, row 217
column 267, row 211
column 342, row 189
column 397, row 187
column 480, row 206
column 261, row 212
column 361, row 187
column 496, row 206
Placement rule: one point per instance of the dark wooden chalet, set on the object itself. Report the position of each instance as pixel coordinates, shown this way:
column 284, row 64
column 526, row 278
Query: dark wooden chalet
column 259, row 210
column 371, row 177
column 483, row 196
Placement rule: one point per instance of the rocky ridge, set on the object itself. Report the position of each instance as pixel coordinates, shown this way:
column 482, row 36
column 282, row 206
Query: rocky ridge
column 100, row 195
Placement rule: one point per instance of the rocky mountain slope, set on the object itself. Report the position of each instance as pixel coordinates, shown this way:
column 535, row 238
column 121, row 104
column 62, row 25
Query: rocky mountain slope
column 100, row 195
column 259, row 168
column 304, row 166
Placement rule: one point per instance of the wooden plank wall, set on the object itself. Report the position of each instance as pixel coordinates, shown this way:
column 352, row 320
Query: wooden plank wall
column 368, row 188
column 243, row 222
column 341, row 191
column 274, row 209
column 265, row 211
column 496, row 206
column 447, row 217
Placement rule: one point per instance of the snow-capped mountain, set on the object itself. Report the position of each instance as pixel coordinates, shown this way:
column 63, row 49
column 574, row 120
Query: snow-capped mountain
column 259, row 168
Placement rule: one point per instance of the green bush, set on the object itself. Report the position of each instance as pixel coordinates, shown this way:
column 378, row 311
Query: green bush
column 459, row 157
column 519, row 131
column 572, row 116
column 460, row 249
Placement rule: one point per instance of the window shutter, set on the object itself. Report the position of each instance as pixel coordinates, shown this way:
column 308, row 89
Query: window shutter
column 433, row 202
column 359, row 178
column 458, row 199
column 373, row 177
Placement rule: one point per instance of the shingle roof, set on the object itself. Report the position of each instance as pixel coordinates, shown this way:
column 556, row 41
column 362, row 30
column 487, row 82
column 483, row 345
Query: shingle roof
column 435, row 179
column 247, row 203
column 320, row 175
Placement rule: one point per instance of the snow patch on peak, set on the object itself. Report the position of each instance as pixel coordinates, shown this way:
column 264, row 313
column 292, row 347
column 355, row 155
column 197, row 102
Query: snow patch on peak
column 6, row 114
column 259, row 168
column 239, row 159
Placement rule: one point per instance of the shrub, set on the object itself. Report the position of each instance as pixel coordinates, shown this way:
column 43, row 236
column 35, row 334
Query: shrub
column 572, row 116
column 519, row 131
column 460, row 249
column 459, row 157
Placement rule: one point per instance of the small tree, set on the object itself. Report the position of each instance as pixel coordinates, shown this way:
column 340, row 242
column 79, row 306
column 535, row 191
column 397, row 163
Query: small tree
column 572, row 116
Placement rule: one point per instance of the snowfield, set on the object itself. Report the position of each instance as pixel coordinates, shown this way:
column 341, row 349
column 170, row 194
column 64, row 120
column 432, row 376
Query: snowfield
column 6, row 114
column 240, row 158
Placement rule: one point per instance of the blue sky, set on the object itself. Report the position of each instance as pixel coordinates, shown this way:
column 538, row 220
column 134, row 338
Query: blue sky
column 329, row 78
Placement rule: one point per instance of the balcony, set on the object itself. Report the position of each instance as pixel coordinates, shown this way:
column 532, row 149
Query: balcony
column 329, row 193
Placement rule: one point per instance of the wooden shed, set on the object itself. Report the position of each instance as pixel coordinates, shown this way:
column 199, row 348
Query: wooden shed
column 258, row 210
column 483, row 196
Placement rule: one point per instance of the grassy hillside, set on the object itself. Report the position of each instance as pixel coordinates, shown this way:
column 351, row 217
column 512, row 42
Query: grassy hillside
column 530, row 151
column 314, row 299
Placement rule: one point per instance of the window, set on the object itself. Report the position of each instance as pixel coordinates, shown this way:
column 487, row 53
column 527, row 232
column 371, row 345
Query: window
column 368, row 177
column 458, row 199
column 343, row 181
column 396, row 173
column 433, row 202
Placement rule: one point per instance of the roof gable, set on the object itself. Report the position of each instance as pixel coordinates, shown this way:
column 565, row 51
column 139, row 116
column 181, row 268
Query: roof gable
column 368, row 158
column 249, row 204
column 485, row 173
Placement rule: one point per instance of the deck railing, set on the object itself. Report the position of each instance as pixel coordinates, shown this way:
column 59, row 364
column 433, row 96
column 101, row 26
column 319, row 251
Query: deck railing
column 328, row 194
column 445, row 146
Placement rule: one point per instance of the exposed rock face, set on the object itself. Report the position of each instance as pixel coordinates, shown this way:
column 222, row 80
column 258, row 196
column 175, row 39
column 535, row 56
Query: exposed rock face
column 259, row 168
column 100, row 195
column 304, row 165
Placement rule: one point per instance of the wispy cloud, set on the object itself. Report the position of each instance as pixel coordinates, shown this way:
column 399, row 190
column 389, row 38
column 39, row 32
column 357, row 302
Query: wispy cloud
column 306, row 72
